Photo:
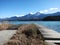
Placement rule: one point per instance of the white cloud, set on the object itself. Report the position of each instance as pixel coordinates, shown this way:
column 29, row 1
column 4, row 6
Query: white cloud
column 53, row 9
column 41, row 11
column 50, row 10
column 44, row 11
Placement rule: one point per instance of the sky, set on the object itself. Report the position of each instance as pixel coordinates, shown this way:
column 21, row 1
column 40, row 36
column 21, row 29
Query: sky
column 9, row 8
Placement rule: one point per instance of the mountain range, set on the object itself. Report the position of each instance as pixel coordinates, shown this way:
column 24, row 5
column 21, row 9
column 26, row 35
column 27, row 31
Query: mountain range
column 35, row 17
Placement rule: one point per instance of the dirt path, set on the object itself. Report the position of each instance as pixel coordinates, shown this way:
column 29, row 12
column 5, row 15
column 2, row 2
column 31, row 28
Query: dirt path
column 5, row 35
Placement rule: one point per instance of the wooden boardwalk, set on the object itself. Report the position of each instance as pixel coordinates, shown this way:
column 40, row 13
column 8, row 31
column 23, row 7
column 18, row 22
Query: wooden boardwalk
column 50, row 35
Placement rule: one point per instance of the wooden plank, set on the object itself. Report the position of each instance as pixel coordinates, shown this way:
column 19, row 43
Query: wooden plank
column 49, row 33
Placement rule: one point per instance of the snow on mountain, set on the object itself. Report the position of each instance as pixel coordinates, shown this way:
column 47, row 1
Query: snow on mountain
column 30, row 16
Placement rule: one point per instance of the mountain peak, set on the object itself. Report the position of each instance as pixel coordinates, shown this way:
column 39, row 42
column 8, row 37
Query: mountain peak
column 29, row 14
column 38, row 13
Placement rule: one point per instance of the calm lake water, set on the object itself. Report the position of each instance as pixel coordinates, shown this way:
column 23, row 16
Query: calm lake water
column 55, row 25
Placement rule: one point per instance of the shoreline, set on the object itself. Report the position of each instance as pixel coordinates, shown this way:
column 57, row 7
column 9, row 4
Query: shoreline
column 46, row 34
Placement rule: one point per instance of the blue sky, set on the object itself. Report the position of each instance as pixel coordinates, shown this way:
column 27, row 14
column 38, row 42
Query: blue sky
column 9, row 8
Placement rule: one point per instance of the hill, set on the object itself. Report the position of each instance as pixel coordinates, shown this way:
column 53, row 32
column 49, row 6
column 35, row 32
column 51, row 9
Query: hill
column 35, row 17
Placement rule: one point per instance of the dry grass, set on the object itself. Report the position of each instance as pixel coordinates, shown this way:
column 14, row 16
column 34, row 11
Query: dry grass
column 4, row 26
column 26, row 35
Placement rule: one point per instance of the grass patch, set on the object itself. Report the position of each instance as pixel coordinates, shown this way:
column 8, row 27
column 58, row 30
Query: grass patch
column 27, row 34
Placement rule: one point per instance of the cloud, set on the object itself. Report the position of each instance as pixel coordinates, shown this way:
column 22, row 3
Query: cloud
column 50, row 10
column 41, row 11
column 53, row 9
column 44, row 11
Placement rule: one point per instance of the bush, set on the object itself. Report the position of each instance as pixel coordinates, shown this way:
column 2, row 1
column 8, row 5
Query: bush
column 27, row 34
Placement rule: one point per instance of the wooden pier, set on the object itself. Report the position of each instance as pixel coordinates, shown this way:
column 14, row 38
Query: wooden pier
column 50, row 35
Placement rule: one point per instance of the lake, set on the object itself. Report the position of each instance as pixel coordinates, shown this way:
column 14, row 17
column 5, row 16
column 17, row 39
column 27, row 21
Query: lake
column 55, row 25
